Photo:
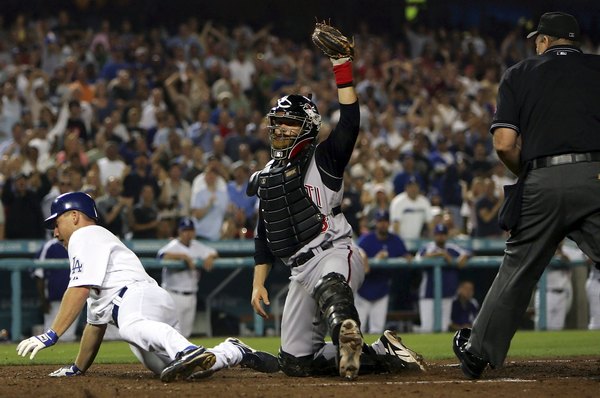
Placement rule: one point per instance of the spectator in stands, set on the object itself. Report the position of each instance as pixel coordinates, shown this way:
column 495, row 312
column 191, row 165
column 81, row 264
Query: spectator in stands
column 23, row 210
column 113, row 208
column 73, row 152
column 351, row 205
column 51, row 285
column 410, row 212
column 209, row 204
column 140, row 175
column 471, row 192
column 203, row 130
column 76, row 123
column 175, row 193
column 408, row 172
column 150, row 108
column 63, row 185
column 380, row 202
column 481, row 165
column 111, row 164
column 16, row 143
column 486, row 211
column 2, row 218
column 182, row 284
column 242, row 207
column 373, row 297
column 11, row 106
column 464, row 307
column 143, row 218
column 454, row 258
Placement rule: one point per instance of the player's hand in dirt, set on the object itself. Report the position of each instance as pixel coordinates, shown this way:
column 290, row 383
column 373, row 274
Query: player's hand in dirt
column 65, row 371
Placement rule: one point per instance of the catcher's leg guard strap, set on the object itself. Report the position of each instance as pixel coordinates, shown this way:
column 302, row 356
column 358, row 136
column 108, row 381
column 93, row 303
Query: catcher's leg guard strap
column 336, row 302
column 305, row 366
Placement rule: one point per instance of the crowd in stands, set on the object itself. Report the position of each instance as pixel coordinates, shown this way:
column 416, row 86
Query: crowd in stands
column 157, row 125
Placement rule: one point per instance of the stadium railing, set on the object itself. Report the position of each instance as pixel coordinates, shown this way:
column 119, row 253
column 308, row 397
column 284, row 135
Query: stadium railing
column 16, row 266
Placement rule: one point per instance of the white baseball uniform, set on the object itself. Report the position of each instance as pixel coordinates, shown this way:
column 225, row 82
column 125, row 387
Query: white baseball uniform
column 145, row 314
column 592, row 287
column 559, row 291
column 182, row 284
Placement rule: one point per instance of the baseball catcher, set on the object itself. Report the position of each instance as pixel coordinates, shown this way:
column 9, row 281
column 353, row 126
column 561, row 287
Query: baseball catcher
column 301, row 224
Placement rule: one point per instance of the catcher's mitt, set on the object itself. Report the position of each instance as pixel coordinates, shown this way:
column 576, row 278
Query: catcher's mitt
column 332, row 42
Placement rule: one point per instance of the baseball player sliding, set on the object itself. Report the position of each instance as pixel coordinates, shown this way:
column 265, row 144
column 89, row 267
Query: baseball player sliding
column 119, row 291
column 301, row 223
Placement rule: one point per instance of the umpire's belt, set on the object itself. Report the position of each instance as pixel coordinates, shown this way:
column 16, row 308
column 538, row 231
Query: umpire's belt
column 566, row 158
column 116, row 303
column 304, row 257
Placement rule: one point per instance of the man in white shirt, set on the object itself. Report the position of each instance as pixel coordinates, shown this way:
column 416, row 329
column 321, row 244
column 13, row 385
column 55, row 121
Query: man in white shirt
column 410, row 211
column 182, row 285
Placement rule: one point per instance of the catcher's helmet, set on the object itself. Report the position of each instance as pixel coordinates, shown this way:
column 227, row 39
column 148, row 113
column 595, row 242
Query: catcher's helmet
column 295, row 109
column 71, row 201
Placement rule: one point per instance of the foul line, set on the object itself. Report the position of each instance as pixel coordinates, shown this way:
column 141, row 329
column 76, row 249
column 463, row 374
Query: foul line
column 398, row 383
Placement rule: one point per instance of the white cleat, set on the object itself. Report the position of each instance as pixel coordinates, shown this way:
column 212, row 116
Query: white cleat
column 401, row 356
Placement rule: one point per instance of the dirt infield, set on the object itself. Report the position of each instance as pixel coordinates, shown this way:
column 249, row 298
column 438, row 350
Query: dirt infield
column 531, row 378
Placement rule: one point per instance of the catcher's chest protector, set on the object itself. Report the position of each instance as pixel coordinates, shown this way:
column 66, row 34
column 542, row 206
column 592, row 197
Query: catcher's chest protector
column 291, row 218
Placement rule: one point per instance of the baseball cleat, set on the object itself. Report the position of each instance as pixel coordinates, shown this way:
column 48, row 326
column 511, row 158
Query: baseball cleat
column 350, row 348
column 400, row 356
column 197, row 362
column 471, row 365
column 257, row 360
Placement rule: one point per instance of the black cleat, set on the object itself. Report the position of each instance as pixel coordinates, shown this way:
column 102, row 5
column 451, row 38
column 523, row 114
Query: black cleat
column 471, row 365
column 196, row 362
column 257, row 360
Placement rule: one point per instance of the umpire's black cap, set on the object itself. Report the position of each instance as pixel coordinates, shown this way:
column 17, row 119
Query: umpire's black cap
column 558, row 24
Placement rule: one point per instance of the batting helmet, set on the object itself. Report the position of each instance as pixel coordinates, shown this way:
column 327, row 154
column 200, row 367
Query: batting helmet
column 71, row 201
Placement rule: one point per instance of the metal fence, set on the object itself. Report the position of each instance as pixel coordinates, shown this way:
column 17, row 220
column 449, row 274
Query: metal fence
column 16, row 266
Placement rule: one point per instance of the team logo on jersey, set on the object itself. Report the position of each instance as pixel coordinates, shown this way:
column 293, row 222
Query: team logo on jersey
column 314, row 193
column 76, row 266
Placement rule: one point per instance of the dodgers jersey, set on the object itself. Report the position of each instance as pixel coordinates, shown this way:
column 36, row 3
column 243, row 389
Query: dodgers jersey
column 101, row 261
column 450, row 274
column 185, row 280
column 56, row 280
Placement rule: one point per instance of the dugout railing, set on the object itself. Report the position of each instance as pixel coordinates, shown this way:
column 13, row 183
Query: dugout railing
column 17, row 266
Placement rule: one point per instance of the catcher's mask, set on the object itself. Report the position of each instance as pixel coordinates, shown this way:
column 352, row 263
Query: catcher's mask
column 302, row 123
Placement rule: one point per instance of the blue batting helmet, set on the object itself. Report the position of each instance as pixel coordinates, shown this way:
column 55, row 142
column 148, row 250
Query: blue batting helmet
column 71, row 201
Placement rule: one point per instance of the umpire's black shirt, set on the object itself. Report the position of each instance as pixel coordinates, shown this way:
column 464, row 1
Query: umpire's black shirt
column 553, row 101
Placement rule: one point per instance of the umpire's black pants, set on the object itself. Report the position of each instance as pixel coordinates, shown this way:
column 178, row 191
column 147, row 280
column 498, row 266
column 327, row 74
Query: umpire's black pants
column 558, row 201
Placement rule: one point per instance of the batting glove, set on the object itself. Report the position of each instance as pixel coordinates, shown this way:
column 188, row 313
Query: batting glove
column 36, row 343
column 65, row 371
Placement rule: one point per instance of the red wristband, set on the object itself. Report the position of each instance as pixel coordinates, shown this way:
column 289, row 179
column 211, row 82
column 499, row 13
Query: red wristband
column 343, row 74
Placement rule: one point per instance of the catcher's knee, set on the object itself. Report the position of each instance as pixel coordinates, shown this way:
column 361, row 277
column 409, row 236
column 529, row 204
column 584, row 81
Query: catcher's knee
column 295, row 366
column 336, row 302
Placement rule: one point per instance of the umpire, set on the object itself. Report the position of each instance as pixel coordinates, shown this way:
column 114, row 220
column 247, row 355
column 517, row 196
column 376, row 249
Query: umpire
column 547, row 131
